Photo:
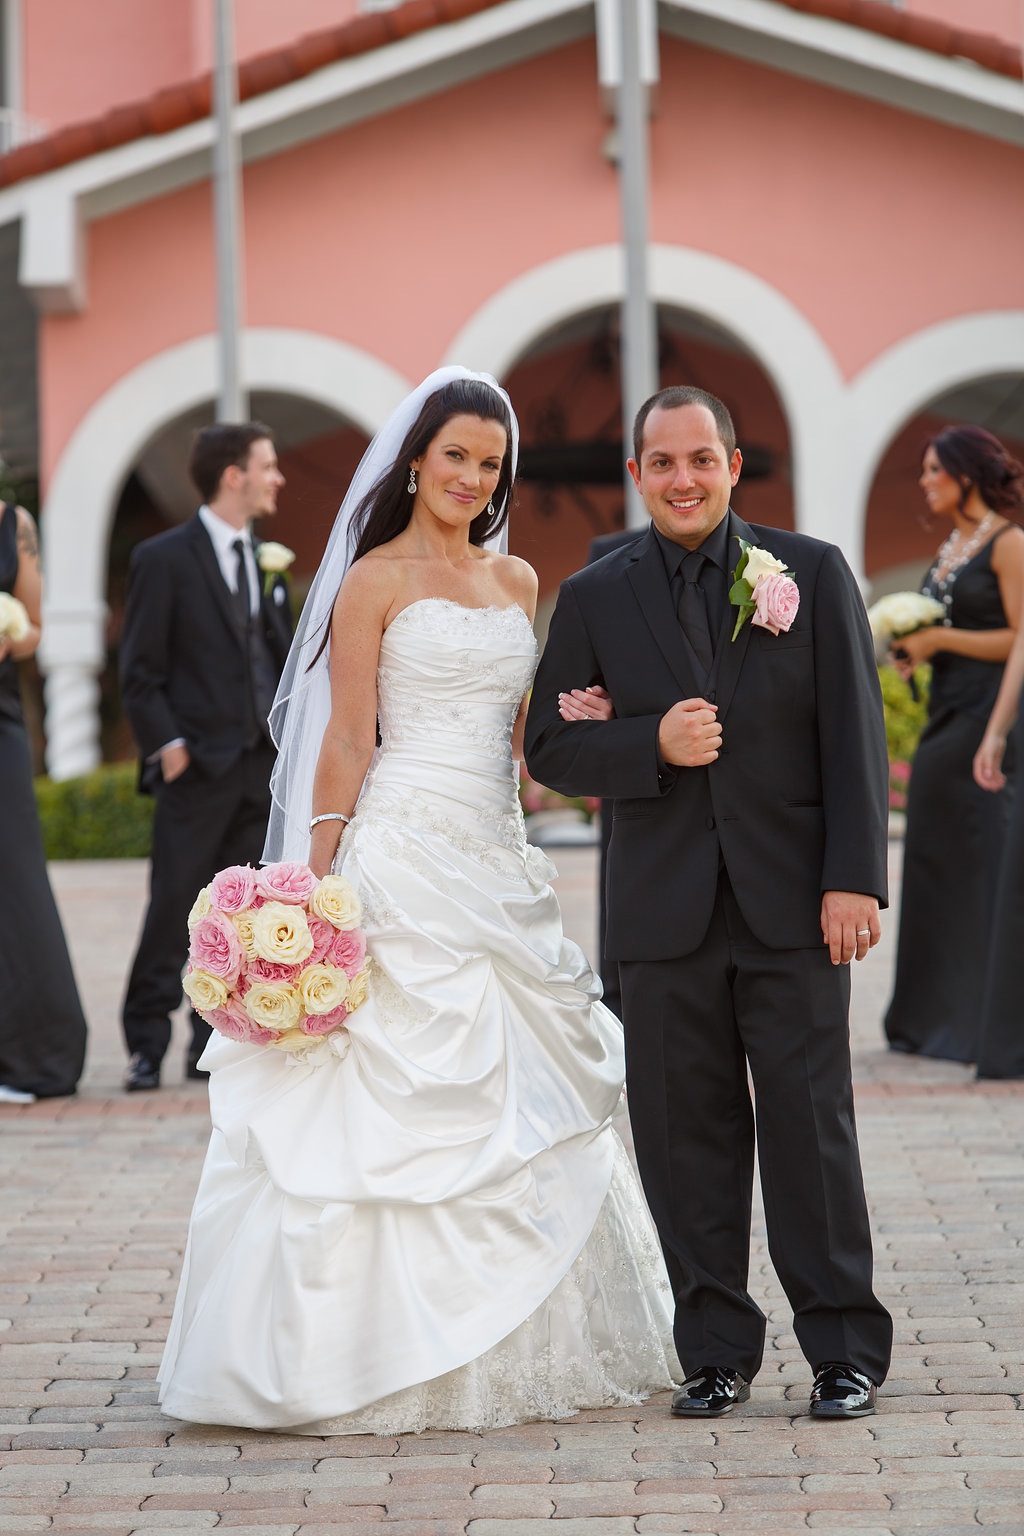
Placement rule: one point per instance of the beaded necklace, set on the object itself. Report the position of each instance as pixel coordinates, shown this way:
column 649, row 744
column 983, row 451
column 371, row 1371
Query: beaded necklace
column 954, row 553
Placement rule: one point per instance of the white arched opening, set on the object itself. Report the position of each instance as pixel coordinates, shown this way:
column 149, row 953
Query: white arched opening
column 784, row 342
column 903, row 380
column 79, row 506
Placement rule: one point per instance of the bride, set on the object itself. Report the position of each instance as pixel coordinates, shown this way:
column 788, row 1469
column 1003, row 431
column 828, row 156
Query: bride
column 437, row 1225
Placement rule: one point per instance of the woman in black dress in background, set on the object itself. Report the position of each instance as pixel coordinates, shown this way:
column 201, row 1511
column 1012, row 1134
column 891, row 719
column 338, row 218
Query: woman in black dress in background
column 1001, row 1042
column 955, row 830
column 42, row 1028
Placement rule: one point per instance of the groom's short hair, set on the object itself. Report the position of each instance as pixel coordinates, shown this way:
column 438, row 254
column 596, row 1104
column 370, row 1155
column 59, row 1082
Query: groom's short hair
column 685, row 394
column 216, row 448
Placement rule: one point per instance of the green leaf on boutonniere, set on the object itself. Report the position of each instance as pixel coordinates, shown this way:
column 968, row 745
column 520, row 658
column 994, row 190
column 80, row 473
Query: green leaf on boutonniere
column 741, row 594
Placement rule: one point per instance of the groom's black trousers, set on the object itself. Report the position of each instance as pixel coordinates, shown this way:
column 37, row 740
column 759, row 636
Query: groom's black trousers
column 202, row 824
column 692, row 1026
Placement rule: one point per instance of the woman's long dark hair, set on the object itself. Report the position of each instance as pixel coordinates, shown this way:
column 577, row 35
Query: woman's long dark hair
column 385, row 510
column 978, row 461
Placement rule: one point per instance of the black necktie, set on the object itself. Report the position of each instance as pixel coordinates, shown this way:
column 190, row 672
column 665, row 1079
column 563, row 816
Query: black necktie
column 243, row 591
column 693, row 608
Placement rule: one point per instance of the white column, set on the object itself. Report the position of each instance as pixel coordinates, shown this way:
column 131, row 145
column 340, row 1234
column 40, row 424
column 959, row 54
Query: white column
column 71, row 656
column 232, row 400
column 639, row 328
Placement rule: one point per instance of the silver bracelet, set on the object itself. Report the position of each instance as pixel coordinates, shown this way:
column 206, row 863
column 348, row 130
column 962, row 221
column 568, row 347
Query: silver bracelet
column 329, row 816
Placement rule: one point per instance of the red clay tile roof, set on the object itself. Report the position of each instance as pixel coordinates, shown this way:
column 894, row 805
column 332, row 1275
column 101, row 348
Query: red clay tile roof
column 190, row 102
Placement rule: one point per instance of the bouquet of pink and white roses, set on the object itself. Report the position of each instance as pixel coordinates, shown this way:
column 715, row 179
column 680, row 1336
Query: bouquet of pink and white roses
column 276, row 956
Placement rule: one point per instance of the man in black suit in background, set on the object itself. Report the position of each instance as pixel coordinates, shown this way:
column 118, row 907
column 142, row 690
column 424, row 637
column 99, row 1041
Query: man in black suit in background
column 746, row 869
column 204, row 643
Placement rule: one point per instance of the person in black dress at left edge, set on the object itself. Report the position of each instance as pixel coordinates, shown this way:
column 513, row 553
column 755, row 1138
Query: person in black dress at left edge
column 42, row 1027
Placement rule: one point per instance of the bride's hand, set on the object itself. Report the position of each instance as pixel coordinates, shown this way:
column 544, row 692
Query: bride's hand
column 586, row 704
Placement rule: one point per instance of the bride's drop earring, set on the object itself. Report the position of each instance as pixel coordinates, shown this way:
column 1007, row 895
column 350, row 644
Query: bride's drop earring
column 412, row 481
column 489, row 509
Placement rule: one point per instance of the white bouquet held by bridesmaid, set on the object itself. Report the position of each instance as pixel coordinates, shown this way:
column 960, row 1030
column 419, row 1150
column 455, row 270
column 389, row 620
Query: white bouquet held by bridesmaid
column 14, row 624
column 901, row 613
column 276, row 957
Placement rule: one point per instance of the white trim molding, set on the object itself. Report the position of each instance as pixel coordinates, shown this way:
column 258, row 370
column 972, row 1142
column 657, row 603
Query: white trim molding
column 761, row 319
column 834, row 53
column 335, row 97
column 80, row 502
column 851, row 58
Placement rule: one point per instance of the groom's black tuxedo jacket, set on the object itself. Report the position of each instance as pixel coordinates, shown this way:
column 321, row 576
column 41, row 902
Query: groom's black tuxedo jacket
column 797, row 802
column 183, row 650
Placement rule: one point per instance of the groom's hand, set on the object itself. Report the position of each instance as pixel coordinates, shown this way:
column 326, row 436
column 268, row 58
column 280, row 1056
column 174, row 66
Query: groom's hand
column 689, row 735
column 850, row 925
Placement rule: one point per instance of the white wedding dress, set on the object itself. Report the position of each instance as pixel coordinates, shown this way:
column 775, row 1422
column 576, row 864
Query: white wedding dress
column 433, row 1224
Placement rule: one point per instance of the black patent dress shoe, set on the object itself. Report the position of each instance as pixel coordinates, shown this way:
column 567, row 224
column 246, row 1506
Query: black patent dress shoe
column 192, row 1067
column 142, row 1073
column 840, row 1392
column 711, row 1391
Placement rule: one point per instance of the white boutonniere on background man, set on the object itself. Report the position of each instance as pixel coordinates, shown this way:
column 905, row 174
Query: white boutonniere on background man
column 274, row 560
column 762, row 590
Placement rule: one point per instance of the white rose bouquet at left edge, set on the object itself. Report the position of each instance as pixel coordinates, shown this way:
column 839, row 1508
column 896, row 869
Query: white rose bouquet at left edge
column 14, row 621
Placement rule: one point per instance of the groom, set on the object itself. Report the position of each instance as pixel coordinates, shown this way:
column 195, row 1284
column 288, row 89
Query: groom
column 746, row 869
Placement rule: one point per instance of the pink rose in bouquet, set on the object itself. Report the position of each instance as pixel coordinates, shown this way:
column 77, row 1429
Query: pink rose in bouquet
column 233, row 889
column 325, row 1023
column 347, row 950
column 291, row 883
column 214, row 946
column 323, row 935
column 776, row 600
column 251, row 973
column 270, row 970
column 233, row 1021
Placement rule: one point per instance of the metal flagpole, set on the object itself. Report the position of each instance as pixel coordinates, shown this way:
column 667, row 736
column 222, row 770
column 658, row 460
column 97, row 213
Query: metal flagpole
column 232, row 401
column 639, row 347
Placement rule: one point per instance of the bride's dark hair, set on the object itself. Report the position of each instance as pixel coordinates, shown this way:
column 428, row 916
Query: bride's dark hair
column 387, row 506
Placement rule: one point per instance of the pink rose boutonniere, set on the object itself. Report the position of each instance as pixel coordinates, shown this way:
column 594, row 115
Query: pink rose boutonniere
column 763, row 591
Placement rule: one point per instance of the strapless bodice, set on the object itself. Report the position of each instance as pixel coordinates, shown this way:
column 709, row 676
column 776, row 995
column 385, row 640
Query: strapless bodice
column 451, row 679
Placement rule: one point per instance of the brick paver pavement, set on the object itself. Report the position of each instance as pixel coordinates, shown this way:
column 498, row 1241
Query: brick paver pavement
column 96, row 1198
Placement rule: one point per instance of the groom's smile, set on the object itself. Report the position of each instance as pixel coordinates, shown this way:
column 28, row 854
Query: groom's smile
column 685, row 475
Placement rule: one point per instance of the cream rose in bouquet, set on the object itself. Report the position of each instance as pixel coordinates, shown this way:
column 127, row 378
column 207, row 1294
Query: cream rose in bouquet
column 277, row 957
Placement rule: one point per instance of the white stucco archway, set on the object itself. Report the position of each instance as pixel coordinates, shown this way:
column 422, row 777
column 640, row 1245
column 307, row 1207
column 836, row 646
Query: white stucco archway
column 901, row 381
column 787, row 346
column 79, row 506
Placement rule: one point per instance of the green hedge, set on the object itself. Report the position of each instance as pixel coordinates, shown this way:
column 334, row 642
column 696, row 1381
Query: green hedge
column 905, row 714
column 99, row 816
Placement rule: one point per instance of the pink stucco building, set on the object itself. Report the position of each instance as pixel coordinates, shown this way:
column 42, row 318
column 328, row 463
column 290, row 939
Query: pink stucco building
column 836, row 235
